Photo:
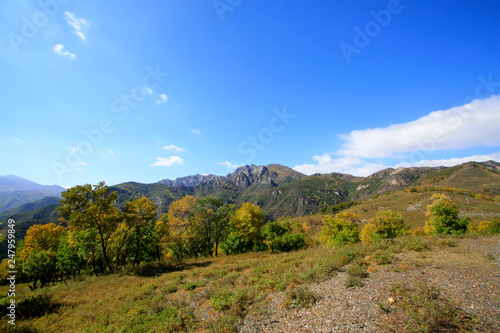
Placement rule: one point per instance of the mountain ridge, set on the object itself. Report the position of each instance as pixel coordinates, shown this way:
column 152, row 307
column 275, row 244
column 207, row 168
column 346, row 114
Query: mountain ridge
column 16, row 191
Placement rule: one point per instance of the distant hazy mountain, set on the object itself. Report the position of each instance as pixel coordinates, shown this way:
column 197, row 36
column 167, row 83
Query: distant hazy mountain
column 15, row 191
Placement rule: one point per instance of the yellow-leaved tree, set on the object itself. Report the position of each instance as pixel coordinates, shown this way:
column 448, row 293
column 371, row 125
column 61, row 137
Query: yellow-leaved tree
column 182, row 226
column 39, row 252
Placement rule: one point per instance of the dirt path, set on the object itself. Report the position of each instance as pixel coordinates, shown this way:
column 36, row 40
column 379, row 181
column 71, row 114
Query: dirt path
column 467, row 273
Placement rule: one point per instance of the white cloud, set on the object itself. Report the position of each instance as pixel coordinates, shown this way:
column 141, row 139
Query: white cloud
column 162, row 98
column 230, row 165
column 474, row 124
column 168, row 162
column 59, row 49
column 195, row 131
column 148, row 90
column 471, row 125
column 452, row 161
column 347, row 164
column 174, row 148
column 78, row 24
column 73, row 149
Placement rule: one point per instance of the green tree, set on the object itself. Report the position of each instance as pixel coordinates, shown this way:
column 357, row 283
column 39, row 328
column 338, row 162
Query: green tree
column 282, row 238
column 213, row 221
column 69, row 260
column 91, row 209
column 133, row 234
column 443, row 217
column 340, row 229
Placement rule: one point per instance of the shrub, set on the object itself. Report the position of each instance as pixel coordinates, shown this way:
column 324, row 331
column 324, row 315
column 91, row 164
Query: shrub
column 353, row 281
column 383, row 257
column 299, row 297
column 487, row 227
column 386, row 224
column 340, row 229
column 422, row 309
column 443, row 217
column 169, row 288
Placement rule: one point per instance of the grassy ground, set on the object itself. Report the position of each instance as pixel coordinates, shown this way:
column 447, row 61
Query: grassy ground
column 210, row 294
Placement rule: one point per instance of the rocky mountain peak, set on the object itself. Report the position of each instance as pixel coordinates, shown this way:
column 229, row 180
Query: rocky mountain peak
column 251, row 174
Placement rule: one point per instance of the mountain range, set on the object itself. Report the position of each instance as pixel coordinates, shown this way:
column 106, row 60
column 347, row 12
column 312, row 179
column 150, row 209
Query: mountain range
column 15, row 191
column 279, row 190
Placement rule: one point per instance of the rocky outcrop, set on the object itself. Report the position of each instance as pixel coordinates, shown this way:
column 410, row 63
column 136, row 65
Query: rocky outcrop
column 250, row 174
column 190, row 180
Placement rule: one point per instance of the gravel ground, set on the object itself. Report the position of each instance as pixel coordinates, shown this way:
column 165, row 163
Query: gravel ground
column 468, row 274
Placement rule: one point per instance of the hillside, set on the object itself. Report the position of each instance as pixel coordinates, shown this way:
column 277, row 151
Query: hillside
column 442, row 284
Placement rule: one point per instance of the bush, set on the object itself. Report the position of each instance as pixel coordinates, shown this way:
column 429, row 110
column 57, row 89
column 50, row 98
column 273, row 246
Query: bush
column 386, row 224
column 486, row 227
column 169, row 288
column 443, row 217
column 423, row 310
column 299, row 297
column 383, row 257
column 340, row 229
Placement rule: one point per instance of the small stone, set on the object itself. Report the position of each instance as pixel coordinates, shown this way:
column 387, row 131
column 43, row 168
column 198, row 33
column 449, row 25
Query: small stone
column 391, row 300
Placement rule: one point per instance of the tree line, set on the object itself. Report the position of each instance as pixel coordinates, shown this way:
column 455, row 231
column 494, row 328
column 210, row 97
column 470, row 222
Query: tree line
column 95, row 237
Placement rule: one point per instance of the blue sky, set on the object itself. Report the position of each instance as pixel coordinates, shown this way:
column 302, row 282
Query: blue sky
column 146, row 90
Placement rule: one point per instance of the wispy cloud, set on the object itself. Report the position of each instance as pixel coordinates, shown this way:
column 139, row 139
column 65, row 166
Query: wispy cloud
column 195, row 131
column 162, row 98
column 168, row 162
column 59, row 49
column 78, row 24
column 174, row 148
column 413, row 143
column 148, row 90
column 109, row 153
column 18, row 141
column 230, row 166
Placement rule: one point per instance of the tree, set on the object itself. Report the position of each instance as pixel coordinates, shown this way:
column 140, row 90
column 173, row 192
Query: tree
column 442, row 217
column 137, row 222
column 182, row 227
column 282, row 238
column 91, row 209
column 38, row 254
column 340, row 229
column 247, row 221
column 69, row 259
column 386, row 224
column 245, row 230
column 213, row 220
